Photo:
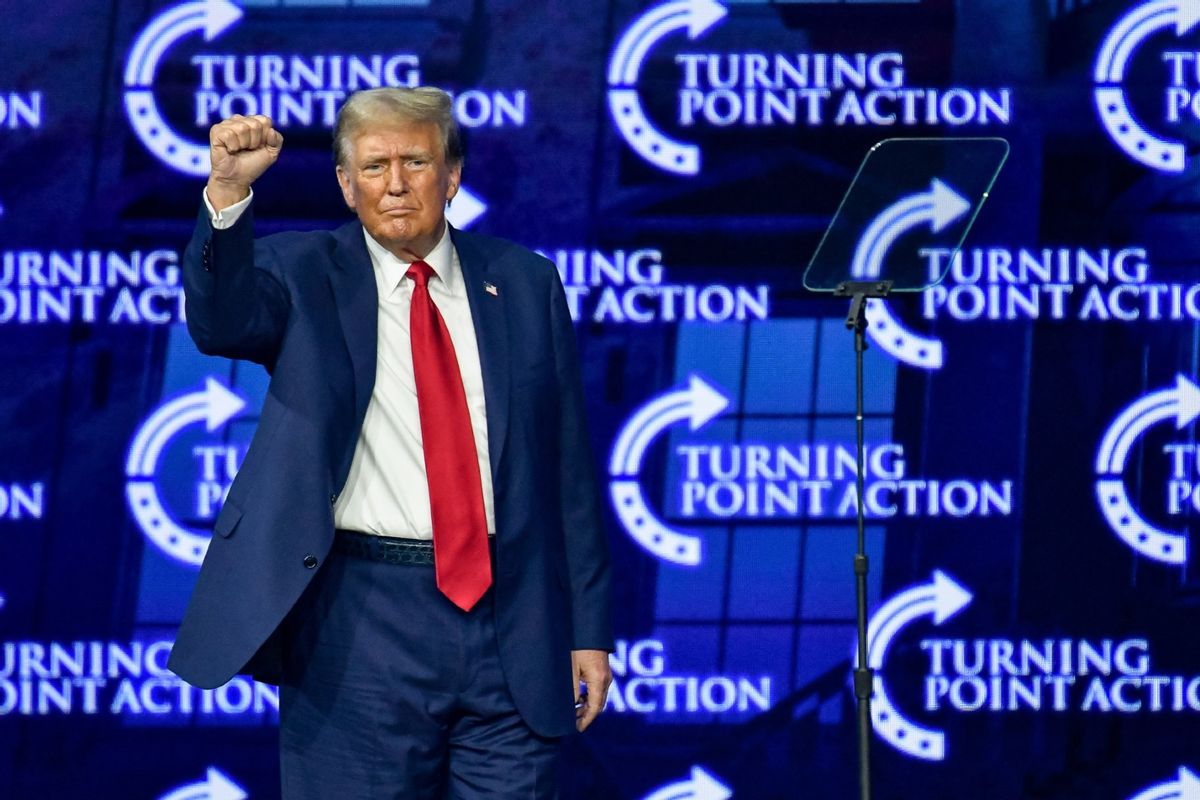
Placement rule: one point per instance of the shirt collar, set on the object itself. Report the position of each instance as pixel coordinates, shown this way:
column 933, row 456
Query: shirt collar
column 390, row 271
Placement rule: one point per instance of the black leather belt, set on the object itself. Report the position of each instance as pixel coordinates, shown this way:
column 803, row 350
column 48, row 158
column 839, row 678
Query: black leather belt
column 388, row 549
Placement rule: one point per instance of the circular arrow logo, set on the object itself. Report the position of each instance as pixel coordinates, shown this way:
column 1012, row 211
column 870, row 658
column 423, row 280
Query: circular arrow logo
column 1140, row 23
column 1180, row 403
column 215, row 786
column 214, row 406
column 941, row 598
column 937, row 208
column 1185, row 787
column 699, row 785
column 699, row 403
column 212, row 18
column 625, row 64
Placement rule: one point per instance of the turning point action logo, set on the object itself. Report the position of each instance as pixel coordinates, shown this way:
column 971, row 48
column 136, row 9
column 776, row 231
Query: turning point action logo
column 756, row 90
column 1001, row 675
column 210, row 17
column 941, row 598
column 1179, row 404
column 716, row 480
column 213, row 406
column 1182, row 100
column 294, row 90
column 694, row 16
column 699, row 403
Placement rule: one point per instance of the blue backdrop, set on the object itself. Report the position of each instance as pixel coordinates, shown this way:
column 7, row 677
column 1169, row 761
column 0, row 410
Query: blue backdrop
column 1031, row 421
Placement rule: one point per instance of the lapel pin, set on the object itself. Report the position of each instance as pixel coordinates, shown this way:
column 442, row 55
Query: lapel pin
column 491, row 289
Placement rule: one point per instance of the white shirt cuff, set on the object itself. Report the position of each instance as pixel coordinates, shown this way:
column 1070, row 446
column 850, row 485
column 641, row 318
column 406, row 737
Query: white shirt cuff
column 226, row 217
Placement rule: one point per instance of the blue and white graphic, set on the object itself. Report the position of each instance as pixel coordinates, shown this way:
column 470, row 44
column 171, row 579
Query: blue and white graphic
column 1185, row 787
column 938, row 208
column 212, row 17
column 215, row 786
column 1180, row 403
column 694, row 16
column 699, row 403
column 466, row 208
column 1140, row 23
column 700, row 785
column 941, row 598
column 214, row 406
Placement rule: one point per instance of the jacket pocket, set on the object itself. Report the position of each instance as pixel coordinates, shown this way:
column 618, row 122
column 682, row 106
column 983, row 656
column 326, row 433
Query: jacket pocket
column 227, row 519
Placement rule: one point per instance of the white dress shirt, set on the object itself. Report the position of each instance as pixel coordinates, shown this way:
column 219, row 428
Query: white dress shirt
column 387, row 491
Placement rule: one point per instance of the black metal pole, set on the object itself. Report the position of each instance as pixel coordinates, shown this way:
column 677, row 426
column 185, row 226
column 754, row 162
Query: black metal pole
column 863, row 680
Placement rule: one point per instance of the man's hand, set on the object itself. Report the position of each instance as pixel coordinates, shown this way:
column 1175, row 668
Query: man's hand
column 241, row 149
column 590, row 668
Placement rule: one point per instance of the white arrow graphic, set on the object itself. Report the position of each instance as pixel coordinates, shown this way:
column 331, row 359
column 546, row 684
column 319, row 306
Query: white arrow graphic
column 215, row 786
column 1180, row 403
column 942, row 598
column 1185, row 787
column 212, row 17
column 1115, row 53
column 1139, row 24
column 697, row 17
column 700, row 785
column 699, row 403
column 938, row 208
column 466, row 208
column 214, row 406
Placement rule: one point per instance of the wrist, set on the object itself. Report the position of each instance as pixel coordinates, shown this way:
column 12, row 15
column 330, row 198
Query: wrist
column 222, row 195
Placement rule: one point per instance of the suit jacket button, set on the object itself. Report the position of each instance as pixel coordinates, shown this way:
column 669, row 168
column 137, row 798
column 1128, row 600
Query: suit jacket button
column 333, row 499
column 310, row 561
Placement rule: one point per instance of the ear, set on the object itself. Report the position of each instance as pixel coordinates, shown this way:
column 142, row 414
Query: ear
column 455, row 180
column 347, row 187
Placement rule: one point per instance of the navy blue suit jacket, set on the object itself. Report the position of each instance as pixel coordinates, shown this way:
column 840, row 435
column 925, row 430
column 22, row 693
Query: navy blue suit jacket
column 304, row 305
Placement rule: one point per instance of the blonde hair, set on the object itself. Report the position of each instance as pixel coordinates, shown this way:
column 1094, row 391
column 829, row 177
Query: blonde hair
column 417, row 104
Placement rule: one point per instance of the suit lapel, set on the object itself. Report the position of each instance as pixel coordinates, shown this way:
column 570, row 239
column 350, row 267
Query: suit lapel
column 354, row 290
column 491, row 331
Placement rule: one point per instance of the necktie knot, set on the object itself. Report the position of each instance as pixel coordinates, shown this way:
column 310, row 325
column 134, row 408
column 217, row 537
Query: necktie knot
column 420, row 273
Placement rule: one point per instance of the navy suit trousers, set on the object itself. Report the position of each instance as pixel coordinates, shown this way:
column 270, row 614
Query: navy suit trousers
column 390, row 691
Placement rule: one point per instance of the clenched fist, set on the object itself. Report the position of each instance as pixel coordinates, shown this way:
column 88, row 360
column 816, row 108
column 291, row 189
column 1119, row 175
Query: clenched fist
column 241, row 149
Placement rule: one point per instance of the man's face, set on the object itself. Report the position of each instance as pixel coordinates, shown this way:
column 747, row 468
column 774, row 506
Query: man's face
column 398, row 182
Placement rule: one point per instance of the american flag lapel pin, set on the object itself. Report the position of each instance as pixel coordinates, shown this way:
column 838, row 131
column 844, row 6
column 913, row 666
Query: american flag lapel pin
column 491, row 289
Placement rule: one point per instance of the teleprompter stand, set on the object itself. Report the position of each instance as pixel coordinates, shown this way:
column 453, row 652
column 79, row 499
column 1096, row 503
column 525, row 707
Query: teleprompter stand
column 908, row 195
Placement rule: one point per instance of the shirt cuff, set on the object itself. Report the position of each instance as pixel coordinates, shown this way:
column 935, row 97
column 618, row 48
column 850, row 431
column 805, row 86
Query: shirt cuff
column 226, row 217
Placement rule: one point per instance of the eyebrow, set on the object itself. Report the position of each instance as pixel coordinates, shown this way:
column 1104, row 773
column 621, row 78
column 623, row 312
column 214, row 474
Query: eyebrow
column 381, row 155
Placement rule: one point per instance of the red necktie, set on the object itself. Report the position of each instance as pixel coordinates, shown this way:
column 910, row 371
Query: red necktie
column 464, row 568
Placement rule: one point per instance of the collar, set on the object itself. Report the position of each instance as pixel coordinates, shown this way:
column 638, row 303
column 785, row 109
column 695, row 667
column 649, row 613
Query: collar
column 390, row 271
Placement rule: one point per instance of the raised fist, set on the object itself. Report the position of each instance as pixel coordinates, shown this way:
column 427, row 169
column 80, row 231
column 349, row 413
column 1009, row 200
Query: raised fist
column 241, row 149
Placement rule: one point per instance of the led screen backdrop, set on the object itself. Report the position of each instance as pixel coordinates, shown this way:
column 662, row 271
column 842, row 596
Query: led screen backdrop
column 1032, row 469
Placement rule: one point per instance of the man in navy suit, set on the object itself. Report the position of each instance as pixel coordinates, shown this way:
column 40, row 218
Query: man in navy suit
column 412, row 547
